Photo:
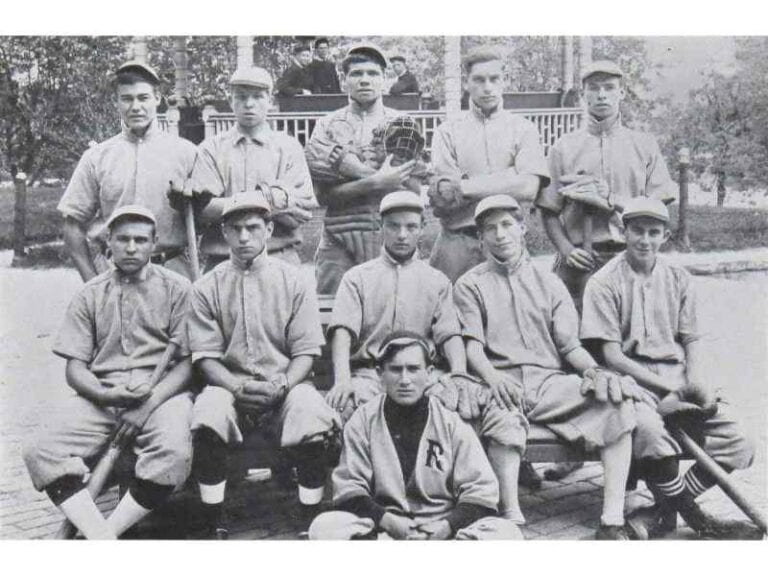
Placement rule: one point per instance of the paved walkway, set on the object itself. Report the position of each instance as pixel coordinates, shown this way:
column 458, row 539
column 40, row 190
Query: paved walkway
column 31, row 384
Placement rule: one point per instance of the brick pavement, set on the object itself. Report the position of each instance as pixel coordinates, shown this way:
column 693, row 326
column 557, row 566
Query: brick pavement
column 31, row 383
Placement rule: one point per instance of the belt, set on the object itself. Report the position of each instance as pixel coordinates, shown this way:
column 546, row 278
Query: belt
column 609, row 246
column 357, row 364
column 469, row 231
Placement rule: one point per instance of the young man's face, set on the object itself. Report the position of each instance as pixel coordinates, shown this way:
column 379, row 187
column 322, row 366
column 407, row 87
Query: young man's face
column 503, row 235
column 304, row 57
column 321, row 50
column 401, row 231
column 398, row 67
column 644, row 238
column 131, row 244
column 364, row 82
column 485, row 84
column 137, row 104
column 603, row 95
column 405, row 376
column 250, row 105
column 246, row 234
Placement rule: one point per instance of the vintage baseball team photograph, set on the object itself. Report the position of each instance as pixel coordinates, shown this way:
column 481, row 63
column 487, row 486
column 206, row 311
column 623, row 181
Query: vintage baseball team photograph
column 382, row 287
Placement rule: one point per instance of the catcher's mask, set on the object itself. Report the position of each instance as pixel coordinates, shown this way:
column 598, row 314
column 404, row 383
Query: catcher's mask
column 403, row 139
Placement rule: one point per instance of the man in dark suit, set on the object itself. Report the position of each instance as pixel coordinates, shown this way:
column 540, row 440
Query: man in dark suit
column 406, row 82
column 325, row 80
column 298, row 78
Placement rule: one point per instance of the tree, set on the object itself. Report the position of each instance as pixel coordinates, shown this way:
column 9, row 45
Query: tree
column 54, row 98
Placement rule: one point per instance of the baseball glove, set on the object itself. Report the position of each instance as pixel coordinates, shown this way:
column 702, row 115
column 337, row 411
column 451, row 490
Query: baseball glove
column 259, row 396
column 590, row 191
column 461, row 393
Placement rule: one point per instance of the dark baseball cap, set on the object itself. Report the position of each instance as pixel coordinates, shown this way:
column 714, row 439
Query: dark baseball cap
column 369, row 50
column 142, row 69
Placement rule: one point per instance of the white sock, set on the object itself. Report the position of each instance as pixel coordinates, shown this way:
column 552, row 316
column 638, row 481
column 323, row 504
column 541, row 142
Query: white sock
column 127, row 513
column 212, row 493
column 612, row 520
column 310, row 496
column 81, row 510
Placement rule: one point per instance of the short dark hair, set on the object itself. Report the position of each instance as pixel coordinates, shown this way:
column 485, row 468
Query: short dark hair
column 479, row 55
column 321, row 40
column 301, row 48
column 397, row 58
column 390, row 350
column 264, row 215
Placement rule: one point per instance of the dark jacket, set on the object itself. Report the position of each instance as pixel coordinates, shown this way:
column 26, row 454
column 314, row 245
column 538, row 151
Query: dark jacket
column 324, row 77
column 295, row 80
column 406, row 84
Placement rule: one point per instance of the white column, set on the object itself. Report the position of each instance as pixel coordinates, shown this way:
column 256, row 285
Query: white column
column 139, row 49
column 180, row 89
column 452, row 75
column 567, row 63
column 244, row 51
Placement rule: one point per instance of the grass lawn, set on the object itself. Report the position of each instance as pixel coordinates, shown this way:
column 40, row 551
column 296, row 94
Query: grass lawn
column 710, row 228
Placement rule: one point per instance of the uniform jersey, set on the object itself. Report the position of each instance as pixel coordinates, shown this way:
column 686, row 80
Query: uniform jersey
column 382, row 295
column 629, row 161
column 231, row 162
column 652, row 318
column 129, row 170
column 352, row 130
column 451, row 466
column 120, row 326
column 255, row 320
column 474, row 146
column 522, row 315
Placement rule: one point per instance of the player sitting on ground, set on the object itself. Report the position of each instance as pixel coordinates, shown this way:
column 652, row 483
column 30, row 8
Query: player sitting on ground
column 521, row 329
column 643, row 311
column 115, row 333
column 254, row 331
column 410, row 468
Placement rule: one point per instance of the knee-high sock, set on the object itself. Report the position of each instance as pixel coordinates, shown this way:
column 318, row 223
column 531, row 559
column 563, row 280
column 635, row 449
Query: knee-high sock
column 505, row 462
column 81, row 510
column 139, row 501
column 616, row 458
column 697, row 480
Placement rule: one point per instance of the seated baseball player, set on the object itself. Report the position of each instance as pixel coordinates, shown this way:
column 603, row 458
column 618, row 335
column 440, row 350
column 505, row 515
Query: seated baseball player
column 521, row 330
column 254, row 330
column 115, row 332
column 396, row 291
column 643, row 311
column 411, row 469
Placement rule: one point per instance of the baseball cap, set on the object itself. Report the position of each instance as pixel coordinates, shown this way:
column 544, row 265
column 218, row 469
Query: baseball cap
column 140, row 68
column 601, row 67
column 495, row 202
column 644, row 206
column 397, row 58
column 401, row 339
column 251, row 76
column 370, row 50
column 400, row 200
column 135, row 210
column 246, row 202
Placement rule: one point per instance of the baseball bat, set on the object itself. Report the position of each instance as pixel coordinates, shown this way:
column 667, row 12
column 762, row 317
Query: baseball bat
column 106, row 464
column 722, row 478
column 189, row 224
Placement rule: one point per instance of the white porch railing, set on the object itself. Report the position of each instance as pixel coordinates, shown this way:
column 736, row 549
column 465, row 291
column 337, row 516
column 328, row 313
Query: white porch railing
column 551, row 123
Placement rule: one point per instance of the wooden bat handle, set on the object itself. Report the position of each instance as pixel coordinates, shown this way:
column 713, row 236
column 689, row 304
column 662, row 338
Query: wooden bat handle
column 189, row 221
column 106, row 464
column 722, row 478
column 589, row 222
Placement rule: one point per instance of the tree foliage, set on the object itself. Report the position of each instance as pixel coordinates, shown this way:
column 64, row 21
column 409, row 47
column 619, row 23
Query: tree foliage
column 54, row 98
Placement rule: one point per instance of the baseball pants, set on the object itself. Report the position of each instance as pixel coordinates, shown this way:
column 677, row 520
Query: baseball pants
column 302, row 417
column 82, row 430
column 337, row 525
column 456, row 252
column 337, row 252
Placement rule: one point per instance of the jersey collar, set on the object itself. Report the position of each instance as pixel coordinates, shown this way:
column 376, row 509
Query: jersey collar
column 263, row 135
column 151, row 131
column 259, row 262
column 604, row 127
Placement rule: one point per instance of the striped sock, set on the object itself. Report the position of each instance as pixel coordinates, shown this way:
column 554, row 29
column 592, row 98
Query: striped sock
column 697, row 481
column 671, row 488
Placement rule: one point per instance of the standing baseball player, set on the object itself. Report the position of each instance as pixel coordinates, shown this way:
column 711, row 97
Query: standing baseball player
column 254, row 331
column 594, row 172
column 486, row 151
column 521, row 330
column 115, row 332
column 141, row 165
column 251, row 156
column 643, row 311
column 395, row 291
column 410, row 468
column 350, row 173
